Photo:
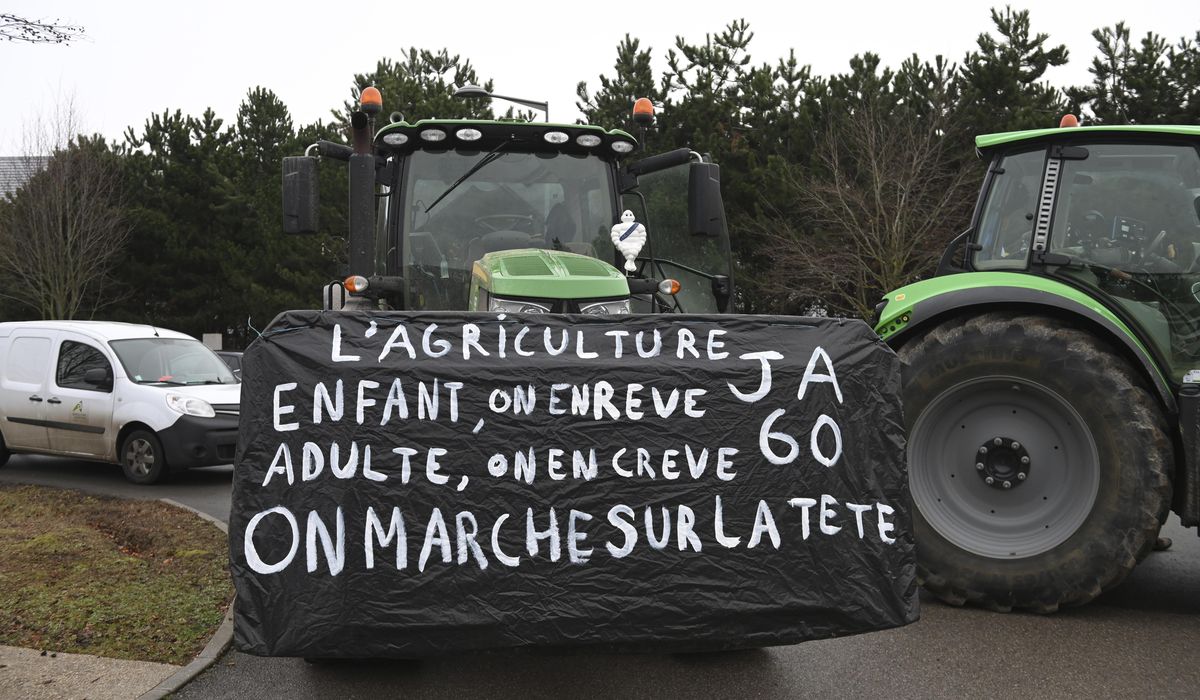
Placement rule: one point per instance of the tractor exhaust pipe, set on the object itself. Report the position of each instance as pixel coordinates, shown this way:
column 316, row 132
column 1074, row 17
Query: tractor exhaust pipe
column 362, row 198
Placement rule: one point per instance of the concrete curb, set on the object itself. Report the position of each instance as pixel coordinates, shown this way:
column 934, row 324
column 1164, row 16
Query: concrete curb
column 203, row 516
column 216, row 646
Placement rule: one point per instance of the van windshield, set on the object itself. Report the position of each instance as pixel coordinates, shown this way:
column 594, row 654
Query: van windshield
column 174, row 361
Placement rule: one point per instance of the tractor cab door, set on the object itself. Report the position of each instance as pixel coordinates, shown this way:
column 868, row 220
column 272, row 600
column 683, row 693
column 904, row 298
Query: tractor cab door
column 1119, row 219
column 1128, row 217
column 1004, row 228
column 701, row 263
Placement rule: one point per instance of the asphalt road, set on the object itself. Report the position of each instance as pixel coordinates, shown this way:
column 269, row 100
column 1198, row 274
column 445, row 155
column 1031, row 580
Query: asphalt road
column 1142, row 639
column 207, row 490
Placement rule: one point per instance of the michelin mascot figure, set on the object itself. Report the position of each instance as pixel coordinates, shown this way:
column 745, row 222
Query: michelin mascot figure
column 629, row 236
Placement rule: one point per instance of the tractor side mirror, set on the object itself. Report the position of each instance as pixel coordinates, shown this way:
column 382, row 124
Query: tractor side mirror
column 706, row 210
column 300, row 194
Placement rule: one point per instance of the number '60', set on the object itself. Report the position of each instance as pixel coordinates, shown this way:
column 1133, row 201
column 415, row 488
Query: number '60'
column 766, row 436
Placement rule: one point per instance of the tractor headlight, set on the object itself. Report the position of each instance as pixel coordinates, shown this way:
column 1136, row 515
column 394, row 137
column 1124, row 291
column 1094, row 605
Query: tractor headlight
column 190, row 406
column 517, row 306
column 606, row 308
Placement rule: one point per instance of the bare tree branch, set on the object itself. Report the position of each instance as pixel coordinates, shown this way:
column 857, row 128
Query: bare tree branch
column 880, row 201
column 37, row 31
column 65, row 229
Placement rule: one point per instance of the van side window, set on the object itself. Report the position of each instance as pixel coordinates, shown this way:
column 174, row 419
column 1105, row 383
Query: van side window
column 27, row 360
column 74, row 361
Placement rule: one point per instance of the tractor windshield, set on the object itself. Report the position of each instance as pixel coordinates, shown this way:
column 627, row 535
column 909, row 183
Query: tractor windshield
column 1128, row 216
column 513, row 200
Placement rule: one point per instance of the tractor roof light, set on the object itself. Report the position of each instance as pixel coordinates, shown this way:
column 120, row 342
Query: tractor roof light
column 469, row 134
column 433, row 135
column 355, row 284
column 556, row 137
column 395, row 138
column 370, row 101
column 643, row 112
column 587, row 140
column 1068, row 121
column 622, row 146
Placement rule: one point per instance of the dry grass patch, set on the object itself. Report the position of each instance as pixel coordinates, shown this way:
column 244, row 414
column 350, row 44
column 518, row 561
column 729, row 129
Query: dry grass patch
column 93, row 575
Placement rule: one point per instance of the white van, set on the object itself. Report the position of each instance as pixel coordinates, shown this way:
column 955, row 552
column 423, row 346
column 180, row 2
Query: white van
column 152, row 400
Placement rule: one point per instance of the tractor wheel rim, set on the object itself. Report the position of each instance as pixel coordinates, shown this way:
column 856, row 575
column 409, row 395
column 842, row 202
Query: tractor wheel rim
column 139, row 455
column 1051, row 503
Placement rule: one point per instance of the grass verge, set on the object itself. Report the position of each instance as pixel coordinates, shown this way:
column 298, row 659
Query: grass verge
column 93, row 575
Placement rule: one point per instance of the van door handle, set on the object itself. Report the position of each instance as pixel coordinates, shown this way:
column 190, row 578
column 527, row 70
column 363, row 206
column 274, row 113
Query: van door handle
column 53, row 399
column 35, row 397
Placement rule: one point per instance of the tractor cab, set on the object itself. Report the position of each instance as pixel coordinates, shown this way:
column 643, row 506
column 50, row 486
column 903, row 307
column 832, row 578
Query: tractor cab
column 1052, row 367
column 1112, row 211
column 516, row 216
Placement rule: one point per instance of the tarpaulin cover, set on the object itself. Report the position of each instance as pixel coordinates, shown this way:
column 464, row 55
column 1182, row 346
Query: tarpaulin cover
column 415, row 483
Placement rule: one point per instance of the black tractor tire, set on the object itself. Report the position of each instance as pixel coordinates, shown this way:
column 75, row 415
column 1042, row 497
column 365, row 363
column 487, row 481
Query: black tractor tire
column 1075, row 447
column 142, row 458
column 4, row 453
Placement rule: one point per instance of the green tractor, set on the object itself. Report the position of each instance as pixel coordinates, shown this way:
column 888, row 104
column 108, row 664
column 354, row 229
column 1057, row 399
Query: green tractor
column 515, row 216
column 480, row 226
column 1052, row 367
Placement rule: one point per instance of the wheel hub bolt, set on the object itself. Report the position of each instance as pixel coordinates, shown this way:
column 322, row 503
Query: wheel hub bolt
column 1002, row 462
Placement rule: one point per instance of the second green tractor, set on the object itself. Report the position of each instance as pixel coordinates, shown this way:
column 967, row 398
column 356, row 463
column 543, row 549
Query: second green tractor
column 1052, row 367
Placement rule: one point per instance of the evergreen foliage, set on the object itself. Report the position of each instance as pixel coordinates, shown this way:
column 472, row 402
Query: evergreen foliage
column 836, row 187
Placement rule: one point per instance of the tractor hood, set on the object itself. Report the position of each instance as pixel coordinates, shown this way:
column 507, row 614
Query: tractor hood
column 548, row 274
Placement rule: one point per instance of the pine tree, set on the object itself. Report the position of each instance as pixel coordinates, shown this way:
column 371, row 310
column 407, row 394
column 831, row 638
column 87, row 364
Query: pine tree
column 1147, row 83
column 633, row 77
column 421, row 86
column 1003, row 86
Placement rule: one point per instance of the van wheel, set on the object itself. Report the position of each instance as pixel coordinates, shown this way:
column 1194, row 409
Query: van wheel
column 142, row 458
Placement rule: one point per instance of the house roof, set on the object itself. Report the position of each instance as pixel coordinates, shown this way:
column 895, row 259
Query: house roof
column 15, row 171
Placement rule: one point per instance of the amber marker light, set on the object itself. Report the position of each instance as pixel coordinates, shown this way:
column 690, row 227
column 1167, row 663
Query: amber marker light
column 1068, row 120
column 355, row 284
column 643, row 111
column 669, row 286
column 370, row 101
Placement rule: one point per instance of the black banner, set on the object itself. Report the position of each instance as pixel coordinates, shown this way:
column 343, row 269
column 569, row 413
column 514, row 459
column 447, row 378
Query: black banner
column 414, row 483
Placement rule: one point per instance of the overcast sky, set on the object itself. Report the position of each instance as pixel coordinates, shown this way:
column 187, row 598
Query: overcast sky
column 142, row 57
